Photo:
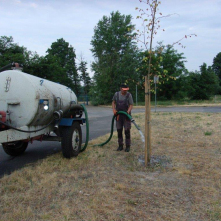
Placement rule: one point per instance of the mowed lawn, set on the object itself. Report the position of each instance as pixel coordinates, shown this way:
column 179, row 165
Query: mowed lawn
column 183, row 181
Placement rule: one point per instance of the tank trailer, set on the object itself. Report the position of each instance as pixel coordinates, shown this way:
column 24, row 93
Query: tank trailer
column 33, row 108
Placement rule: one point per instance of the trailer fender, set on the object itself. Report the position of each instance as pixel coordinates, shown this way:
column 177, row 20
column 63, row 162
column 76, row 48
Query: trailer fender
column 69, row 121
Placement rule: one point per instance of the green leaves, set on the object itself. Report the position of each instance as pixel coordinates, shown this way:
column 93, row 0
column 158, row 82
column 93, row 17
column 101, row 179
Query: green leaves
column 12, row 52
column 217, row 66
column 63, row 54
column 84, row 76
column 202, row 84
column 114, row 52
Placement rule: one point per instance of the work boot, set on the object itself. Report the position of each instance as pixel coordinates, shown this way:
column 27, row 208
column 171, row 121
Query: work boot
column 127, row 149
column 120, row 148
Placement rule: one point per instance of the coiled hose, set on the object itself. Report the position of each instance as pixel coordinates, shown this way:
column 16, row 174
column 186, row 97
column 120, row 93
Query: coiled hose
column 112, row 127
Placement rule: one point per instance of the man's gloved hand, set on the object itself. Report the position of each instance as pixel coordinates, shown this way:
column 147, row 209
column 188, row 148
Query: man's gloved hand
column 115, row 112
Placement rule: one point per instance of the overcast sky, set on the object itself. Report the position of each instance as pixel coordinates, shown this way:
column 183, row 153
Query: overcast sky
column 35, row 24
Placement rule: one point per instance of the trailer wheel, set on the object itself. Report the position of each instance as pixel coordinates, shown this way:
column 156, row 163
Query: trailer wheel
column 15, row 148
column 71, row 140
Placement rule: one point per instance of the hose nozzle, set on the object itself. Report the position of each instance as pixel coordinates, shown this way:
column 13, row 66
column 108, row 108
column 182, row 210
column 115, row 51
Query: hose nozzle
column 133, row 121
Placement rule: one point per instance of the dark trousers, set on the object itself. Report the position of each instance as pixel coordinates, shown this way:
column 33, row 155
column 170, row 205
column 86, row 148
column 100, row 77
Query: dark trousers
column 123, row 122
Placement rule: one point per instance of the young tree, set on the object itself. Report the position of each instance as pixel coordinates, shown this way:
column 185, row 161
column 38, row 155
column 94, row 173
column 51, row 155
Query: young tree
column 150, row 18
column 114, row 51
column 149, row 30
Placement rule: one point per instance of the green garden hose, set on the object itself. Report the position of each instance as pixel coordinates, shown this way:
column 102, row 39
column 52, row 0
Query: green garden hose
column 87, row 129
column 112, row 127
column 111, row 134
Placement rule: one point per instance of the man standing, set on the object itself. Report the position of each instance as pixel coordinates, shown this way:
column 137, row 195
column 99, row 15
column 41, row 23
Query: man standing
column 123, row 101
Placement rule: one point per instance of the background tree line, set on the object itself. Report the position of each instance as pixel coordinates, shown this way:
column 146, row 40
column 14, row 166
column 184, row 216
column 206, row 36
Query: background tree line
column 117, row 59
column 59, row 64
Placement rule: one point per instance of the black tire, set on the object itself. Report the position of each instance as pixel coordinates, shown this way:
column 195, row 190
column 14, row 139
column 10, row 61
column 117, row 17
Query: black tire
column 71, row 140
column 15, row 148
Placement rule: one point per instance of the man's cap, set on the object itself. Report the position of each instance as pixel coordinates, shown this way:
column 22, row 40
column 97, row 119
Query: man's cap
column 124, row 87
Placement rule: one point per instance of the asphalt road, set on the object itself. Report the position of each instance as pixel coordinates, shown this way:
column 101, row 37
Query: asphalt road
column 99, row 124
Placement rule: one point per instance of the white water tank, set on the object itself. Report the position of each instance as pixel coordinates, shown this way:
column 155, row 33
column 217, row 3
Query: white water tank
column 25, row 98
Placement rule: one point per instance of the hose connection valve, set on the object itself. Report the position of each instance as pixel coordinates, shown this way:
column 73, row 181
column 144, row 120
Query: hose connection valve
column 57, row 116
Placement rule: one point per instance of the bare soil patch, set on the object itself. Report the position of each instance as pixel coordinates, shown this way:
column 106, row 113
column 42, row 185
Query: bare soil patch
column 183, row 181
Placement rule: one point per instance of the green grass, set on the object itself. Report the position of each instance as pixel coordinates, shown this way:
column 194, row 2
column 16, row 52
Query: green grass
column 214, row 100
column 208, row 133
